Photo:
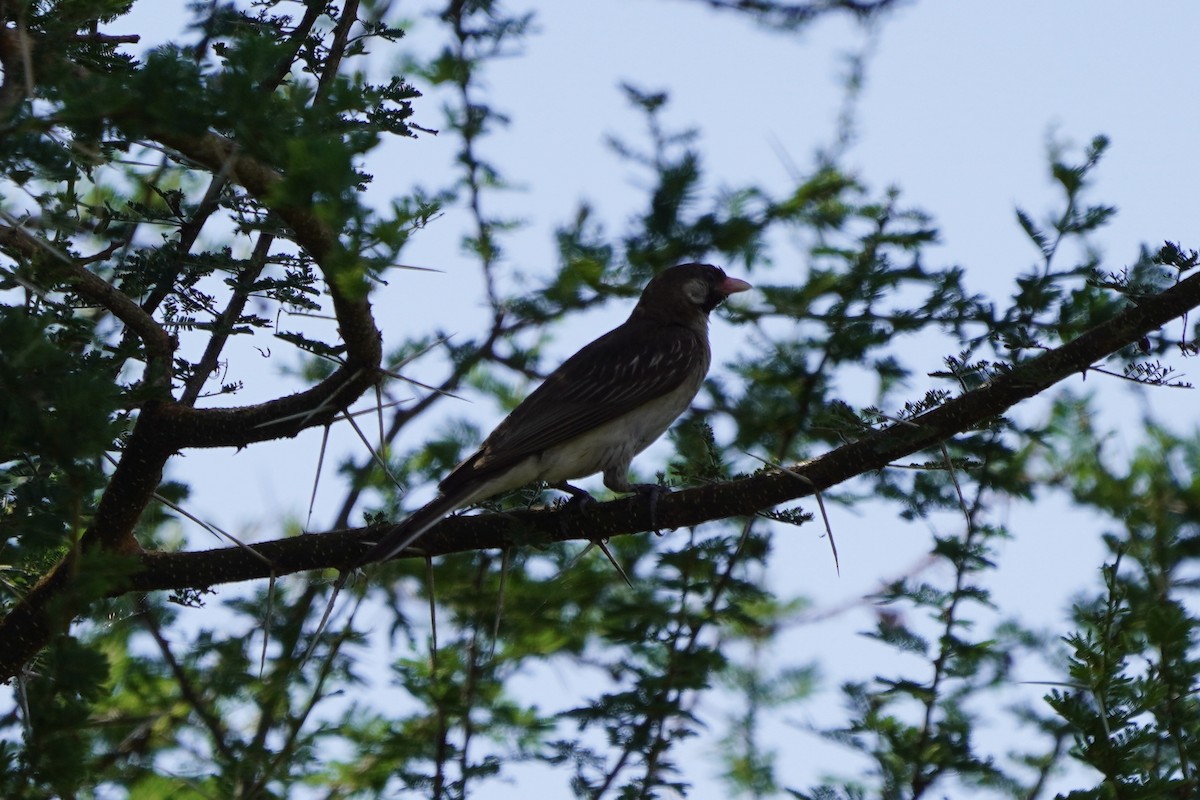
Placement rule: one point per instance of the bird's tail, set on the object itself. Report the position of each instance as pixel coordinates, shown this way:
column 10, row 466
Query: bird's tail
column 399, row 537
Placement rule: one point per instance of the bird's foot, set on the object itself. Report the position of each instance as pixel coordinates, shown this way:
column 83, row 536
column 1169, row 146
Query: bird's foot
column 651, row 491
column 580, row 499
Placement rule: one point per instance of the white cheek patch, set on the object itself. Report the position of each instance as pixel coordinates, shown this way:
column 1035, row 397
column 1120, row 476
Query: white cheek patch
column 696, row 291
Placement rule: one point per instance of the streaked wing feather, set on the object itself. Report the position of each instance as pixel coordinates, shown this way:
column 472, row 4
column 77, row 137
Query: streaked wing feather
column 600, row 383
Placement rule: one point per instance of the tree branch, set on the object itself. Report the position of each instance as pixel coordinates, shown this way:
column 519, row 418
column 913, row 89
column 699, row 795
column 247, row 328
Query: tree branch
column 164, row 426
column 223, row 326
column 29, row 625
column 285, row 416
column 741, row 497
column 337, row 49
column 160, row 347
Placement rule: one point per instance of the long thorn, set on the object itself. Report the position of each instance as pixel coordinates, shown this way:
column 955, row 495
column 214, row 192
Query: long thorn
column 820, row 504
column 612, row 560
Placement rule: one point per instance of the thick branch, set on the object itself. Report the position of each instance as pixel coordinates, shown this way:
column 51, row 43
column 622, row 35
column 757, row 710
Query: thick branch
column 691, row 506
column 16, row 57
column 158, row 343
column 28, row 627
column 163, row 426
column 286, row 416
column 160, row 347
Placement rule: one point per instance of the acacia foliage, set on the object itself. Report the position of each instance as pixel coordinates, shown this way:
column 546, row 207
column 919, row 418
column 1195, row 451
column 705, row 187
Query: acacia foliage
column 141, row 234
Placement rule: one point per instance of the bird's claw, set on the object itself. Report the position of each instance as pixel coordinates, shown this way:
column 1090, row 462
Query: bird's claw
column 651, row 491
column 580, row 499
column 580, row 503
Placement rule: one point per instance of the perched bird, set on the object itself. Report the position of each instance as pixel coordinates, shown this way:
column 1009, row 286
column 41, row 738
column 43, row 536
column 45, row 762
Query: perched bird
column 602, row 407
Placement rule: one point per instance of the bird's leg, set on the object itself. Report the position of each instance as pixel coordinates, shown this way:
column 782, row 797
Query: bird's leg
column 580, row 499
column 651, row 491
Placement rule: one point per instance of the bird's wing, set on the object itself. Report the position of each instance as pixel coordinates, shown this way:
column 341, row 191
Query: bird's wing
column 619, row 372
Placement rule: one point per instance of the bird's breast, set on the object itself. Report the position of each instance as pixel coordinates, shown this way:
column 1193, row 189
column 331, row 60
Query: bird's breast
column 614, row 444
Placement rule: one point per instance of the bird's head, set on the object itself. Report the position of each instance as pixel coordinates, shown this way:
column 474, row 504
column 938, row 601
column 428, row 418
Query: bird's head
column 687, row 292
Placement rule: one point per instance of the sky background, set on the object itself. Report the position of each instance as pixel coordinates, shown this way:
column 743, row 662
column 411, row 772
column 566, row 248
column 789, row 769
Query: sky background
column 959, row 103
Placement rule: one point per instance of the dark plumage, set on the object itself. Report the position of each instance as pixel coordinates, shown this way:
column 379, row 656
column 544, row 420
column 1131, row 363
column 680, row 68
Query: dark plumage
column 602, row 407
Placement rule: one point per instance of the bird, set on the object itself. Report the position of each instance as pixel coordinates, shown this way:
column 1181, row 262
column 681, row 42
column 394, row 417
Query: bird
column 596, row 411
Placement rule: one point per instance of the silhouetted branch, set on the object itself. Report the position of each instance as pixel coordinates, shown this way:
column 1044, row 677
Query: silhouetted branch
column 741, row 497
